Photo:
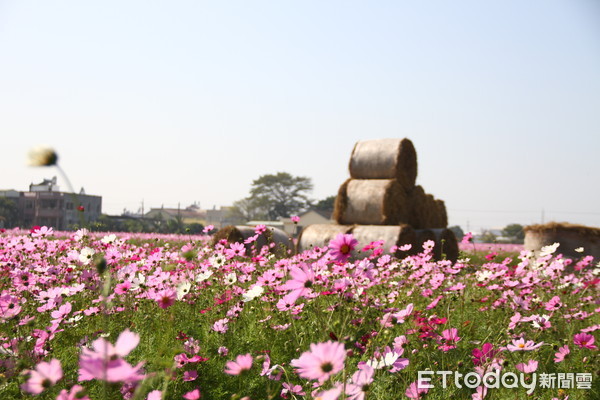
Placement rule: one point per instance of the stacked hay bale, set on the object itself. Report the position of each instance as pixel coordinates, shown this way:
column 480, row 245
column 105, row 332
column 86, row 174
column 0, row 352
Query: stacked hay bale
column 585, row 239
column 380, row 201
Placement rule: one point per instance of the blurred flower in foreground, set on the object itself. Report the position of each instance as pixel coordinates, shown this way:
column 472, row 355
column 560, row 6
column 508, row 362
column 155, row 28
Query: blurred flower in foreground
column 42, row 156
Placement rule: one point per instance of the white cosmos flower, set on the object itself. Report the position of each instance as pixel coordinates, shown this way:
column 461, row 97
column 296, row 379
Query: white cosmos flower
column 204, row 276
column 550, row 249
column 86, row 255
column 386, row 361
column 579, row 249
column 230, row 278
column 109, row 239
column 183, row 289
column 137, row 281
column 253, row 293
column 218, row 260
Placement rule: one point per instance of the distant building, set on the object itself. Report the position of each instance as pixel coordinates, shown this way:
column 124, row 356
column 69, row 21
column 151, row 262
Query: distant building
column 309, row 217
column 223, row 217
column 45, row 204
column 188, row 215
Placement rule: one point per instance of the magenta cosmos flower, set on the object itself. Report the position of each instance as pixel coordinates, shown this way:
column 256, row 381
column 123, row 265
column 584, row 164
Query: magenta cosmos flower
column 242, row 363
column 44, row 375
column 584, row 340
column 322, row 361
column 341, row 247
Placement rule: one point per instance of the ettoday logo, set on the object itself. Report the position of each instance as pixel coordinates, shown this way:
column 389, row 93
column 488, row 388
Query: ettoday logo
column 510, row 380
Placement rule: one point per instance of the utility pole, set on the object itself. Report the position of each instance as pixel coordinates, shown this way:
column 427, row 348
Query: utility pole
column 542, row 216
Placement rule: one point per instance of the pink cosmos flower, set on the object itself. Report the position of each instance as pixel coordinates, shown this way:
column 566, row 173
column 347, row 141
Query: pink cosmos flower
column 9, row 307
column 295, row 219
column 62, row 312
column 236, row 249
column 561, row 354
column 361, row 379
column 467, row 238
column 165, row 298
column 553, row 304
column 221, row 326
column 450, row 338
column 75, row 393
column 123, row 288
column 301, row 283
column 322, row 361
column 521, row 345
column 331, row 394
column 293, row 389
column 531, row 366
column 416, row 390
column 189, row 376
column 341, row 247
column 193, row 395
column 154, row 395
column 104, row 360
column 242, row 363
column 44, row 375
column 585, row 340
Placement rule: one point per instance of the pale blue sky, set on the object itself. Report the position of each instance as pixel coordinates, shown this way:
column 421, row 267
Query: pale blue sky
column 181, row 101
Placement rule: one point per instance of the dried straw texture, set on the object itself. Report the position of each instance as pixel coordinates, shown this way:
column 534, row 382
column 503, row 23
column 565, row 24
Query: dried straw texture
column 371, row 202
column 570, row 237
column 319, row 235
column 442, row 215
column 391, row 235
column 417, row 203
column 385, row 159
column 445, row 245
column 238, row 234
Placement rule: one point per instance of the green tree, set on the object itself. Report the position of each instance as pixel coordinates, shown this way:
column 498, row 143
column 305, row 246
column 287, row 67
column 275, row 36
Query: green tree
column 514, row 231
column 325, row 204
column 247, row 209
column 458, row 232
column 281, row 194
column 9, row 214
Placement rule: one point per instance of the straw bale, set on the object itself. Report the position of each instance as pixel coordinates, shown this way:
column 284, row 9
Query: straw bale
column 442, row 215
column 319, row 235
column 385, row 159
column 417, row 204
column 392, row 235
column 371, row 202
column 445, row 244
column 569, row 236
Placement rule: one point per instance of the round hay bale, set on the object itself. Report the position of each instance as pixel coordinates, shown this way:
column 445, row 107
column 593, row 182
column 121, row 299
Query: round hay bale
column 371, row 202
column 430, row 212
column 570, row 237
column 445, row 245
column 319, row 235
column 442, row 215
column 423, row 235
column 397, row 235
column 239, row 233
column 385, row 159
column 417, row 200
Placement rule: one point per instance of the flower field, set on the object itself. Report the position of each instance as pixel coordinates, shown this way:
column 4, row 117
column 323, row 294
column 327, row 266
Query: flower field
column 119, row 316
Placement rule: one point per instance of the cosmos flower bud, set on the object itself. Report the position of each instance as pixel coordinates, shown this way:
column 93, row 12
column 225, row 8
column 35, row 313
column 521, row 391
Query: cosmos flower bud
column 101, row 266
column 42, row 156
